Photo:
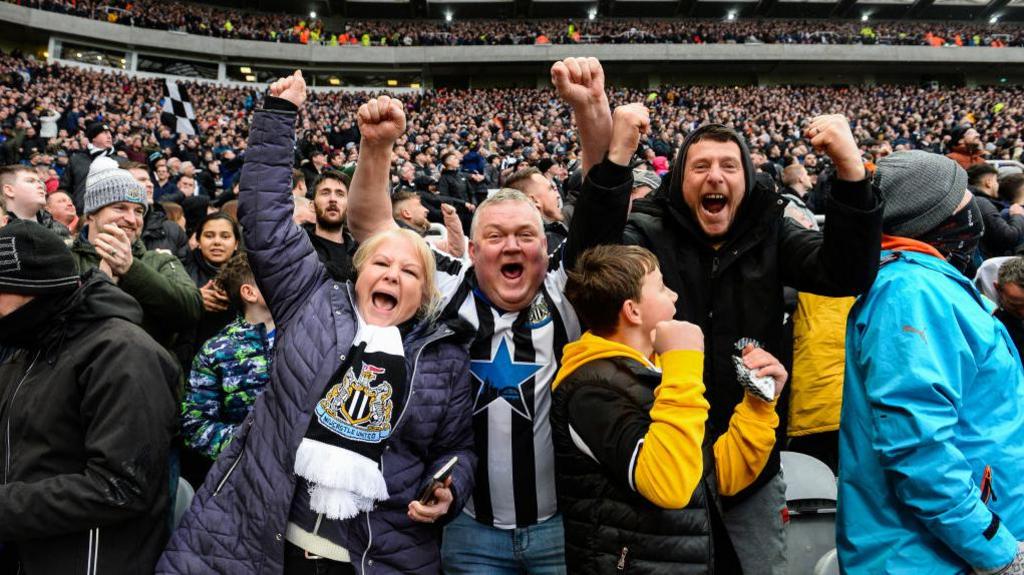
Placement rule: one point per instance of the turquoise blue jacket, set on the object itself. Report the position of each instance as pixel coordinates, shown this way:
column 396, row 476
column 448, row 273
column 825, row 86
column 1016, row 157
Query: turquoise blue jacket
column 934, row 393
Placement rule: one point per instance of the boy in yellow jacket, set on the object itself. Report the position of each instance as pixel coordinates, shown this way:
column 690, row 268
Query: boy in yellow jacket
column 638, row 483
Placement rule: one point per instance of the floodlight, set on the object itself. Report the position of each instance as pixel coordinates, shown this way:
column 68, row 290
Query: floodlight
column 592, row 14
column 731, row 15
column 864, row 17
column 312, row 14
column 447, row 16
column 993, row 19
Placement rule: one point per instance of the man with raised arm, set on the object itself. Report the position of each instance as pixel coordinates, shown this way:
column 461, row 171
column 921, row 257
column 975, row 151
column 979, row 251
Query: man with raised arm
column 511, row 293
column 722, row 240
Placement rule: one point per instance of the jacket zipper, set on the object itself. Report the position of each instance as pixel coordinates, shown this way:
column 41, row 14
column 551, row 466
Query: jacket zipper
column 621, row 566
column 231, row 469
column 415, row 365
column 92, row 560
column 10, row 415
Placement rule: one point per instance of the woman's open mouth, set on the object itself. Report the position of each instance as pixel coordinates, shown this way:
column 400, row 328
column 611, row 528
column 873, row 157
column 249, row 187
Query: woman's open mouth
column 384, row 301
column 512, row 271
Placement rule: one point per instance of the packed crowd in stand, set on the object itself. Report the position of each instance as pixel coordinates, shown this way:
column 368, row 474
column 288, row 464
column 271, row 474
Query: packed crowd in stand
column 404, row 334
column 226, row 23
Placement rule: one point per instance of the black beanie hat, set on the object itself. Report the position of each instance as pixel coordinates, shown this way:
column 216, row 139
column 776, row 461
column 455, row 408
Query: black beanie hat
column 95, row 129
column 34, row 261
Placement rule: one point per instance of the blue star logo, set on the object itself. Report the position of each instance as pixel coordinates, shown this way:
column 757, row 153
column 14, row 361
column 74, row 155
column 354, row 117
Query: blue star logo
column 502, row 378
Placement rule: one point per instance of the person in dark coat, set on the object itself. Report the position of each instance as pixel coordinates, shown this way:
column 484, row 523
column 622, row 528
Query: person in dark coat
column 333, row 244
column 722, row 241
column 1002, row 233
column 219, row 237
column 454, row 182
column 88, row 413
column 101, row 144
column 256, row 514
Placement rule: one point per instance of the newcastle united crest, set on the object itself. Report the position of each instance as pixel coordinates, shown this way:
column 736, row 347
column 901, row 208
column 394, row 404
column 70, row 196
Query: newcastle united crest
column 357, row 409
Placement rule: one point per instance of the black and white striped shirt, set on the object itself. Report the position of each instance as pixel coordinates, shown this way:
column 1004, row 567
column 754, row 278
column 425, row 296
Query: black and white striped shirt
column 514, row 358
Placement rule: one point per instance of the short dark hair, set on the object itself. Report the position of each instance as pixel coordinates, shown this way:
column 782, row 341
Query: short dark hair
column 519, row 178
column 235, row 273
column 978, row 171
column 1009, row 187
column 603, row 279
column 297, row 177
column 445, row 156
column 718, row 133
column 331, row 175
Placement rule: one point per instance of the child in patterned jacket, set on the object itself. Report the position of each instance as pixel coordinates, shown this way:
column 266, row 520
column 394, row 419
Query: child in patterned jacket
column 229, row 372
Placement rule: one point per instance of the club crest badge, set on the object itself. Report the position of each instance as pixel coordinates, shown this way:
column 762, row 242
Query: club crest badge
column 357, row 409
column 539, row 314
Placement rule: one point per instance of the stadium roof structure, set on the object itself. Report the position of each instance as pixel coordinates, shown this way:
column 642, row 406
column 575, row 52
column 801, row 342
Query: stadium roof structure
column 966, row 10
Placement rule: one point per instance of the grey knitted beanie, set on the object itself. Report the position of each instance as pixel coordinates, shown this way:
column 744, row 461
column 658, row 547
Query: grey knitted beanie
column 108, row 184
column 920, row 190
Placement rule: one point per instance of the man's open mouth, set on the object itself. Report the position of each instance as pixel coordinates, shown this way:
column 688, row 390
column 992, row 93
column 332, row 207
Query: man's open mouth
column 384, row 301
column 512, row 271
column 713, row 203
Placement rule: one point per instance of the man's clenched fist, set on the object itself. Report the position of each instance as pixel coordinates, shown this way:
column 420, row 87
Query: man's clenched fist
column 381, row 121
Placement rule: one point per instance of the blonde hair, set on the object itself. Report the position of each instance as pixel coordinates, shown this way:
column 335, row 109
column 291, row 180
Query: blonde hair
column 430, row 306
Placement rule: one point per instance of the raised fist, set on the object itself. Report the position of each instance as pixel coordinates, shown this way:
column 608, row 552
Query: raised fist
column 579, row 81
column 381, row 121
column 831, row 134
column 629, row 122
column 677, row 335
column 292, row 88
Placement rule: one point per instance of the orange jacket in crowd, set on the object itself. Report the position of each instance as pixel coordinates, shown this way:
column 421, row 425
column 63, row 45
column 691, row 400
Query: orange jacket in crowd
column 965, row 157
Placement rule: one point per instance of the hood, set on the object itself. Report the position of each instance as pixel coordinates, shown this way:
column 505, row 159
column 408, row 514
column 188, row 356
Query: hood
column 901, row 244
column 670, row 193
column 52, row 321
column 590, row 348
column 153, row 224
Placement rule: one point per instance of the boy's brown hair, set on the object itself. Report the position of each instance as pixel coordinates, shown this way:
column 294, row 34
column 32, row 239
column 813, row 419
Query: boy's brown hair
column 603, row 279
column 233, row 275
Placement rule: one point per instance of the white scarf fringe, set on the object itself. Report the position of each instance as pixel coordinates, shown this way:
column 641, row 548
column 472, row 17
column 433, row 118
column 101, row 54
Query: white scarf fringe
column 344, row 483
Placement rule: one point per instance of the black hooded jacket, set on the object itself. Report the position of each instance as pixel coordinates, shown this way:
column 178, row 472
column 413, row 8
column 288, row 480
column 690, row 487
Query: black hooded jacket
column 87, row 411
column 735, row 292
column 159, row 233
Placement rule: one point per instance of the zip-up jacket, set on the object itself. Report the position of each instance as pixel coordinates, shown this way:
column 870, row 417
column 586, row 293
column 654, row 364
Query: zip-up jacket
column 228, row 374
column 932, row 418
column 735, row 292
column 238, row 518
column 87, row 415
column 638, row 479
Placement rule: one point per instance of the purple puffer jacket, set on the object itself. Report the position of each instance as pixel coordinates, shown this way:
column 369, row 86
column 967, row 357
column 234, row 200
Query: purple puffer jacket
column 237, row 521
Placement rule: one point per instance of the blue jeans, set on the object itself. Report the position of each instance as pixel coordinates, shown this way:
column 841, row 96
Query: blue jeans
column 470, row 547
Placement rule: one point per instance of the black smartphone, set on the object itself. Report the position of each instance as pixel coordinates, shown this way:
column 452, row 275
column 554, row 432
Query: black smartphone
column 438, row 480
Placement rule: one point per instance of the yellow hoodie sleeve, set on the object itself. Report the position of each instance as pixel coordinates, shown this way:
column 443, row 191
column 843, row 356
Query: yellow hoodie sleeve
column 670, row 462
column 742, row 452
